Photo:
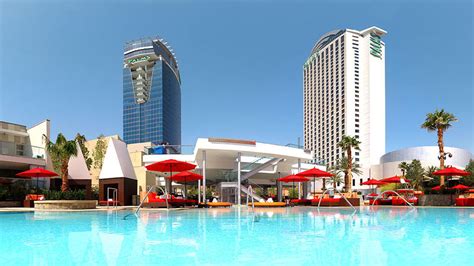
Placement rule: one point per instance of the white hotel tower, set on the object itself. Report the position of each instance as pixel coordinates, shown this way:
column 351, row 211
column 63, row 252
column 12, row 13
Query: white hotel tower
column 344, row 94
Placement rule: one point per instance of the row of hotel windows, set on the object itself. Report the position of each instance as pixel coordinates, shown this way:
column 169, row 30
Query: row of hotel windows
column 330, row 143
column 322, row 71
column 356, row 62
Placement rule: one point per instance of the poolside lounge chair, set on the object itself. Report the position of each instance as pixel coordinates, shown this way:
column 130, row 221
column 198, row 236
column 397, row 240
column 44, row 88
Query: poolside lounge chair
column 31, row 198
column 218, row 204
column 160, row 202
column 300, row 201
column 268, row 204
column 465, row 201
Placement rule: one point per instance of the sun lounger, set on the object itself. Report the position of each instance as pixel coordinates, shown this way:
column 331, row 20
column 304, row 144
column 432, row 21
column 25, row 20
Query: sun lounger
column 268, row 204
column 218, row 204
column 300, row 202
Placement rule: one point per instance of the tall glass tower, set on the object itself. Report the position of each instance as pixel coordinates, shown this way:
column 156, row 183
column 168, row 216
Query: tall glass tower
column 151, row 93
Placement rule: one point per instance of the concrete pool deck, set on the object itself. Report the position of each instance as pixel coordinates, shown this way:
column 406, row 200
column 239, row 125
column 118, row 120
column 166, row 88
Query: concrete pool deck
column 132, row 208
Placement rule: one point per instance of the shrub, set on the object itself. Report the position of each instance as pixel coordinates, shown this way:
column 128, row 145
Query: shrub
column 66, row 195
column 95, row 193
column 3, row 193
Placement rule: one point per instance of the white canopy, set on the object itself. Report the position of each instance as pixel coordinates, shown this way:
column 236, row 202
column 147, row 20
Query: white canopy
column 117, row 162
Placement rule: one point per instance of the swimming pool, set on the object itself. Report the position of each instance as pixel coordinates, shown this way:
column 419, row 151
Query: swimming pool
column 285, row 236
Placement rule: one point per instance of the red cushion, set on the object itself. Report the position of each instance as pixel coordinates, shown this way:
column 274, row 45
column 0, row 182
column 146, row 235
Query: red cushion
column 461, row 202
column 156, row 200
column 35, row 197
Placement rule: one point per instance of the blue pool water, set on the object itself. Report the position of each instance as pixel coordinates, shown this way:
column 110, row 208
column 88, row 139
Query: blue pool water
column 286, row 236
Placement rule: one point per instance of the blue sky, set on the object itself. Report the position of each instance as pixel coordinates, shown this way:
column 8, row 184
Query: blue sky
column 240, row 61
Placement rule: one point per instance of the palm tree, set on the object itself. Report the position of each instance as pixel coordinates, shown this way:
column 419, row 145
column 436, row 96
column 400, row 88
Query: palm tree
column 61, row 151
column 433, row 180
column 348, row 143
column 341, row 168
column 403, row 166
column 335, row 178
column 439, row 121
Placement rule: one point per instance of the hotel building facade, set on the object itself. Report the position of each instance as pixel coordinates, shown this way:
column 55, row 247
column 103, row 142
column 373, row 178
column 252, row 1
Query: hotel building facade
column 344, row 94
column 151, row 93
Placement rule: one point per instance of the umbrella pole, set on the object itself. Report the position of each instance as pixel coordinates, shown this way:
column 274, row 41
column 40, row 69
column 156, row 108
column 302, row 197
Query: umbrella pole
column 314, row 186
column 185, row 191
column 37, row 184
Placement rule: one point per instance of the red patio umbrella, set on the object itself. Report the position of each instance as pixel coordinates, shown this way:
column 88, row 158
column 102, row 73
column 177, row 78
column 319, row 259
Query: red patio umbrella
column 185, row 177
column 170, row 166
column 37, row 172
column 451, row 171
column 460, row 187
column 374, row 182
column 436, row 188
column 315, row 173
column 293, row 178
column 395, row 179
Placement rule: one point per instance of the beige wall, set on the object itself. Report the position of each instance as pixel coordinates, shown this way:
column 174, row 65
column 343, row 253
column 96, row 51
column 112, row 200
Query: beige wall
column 144, row 178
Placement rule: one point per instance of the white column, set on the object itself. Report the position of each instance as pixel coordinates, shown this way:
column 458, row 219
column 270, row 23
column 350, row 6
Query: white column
column 199, row 190
column 204, row 176
column 238, row 179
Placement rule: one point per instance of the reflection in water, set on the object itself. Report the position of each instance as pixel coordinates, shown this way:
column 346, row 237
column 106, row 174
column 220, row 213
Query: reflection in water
column 298, row 235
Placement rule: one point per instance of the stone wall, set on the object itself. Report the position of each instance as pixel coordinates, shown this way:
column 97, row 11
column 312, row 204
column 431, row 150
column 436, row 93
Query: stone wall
column 5, row 204
column 65, row 204
column 437, row 200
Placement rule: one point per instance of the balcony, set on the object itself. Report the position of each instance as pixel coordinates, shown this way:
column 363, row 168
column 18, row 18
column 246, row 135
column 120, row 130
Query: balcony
column 21, row 150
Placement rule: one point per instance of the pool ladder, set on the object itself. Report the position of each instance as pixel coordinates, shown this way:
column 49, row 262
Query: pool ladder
column 146, row 196
column 338, row 191
column 393, row 191
column 114, row 197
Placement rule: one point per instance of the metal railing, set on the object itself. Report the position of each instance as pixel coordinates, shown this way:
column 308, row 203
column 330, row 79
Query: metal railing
column 23, row 150
column 169, row 149
column 392, row 191
column 114, row 197
column 338, row 191
column 146, row 196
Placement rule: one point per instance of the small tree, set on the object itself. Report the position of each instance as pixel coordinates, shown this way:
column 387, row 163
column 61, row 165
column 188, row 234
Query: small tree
column 61, row 151
column 469, row 180
column 81, row 139
column 403, row 166
column 337, row 176
column 415, row 173
column 433, row 179
column 99, row 152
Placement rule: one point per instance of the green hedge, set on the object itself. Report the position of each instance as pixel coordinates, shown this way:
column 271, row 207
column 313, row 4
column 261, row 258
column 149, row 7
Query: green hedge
column 67, row 195
column 15, row 191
